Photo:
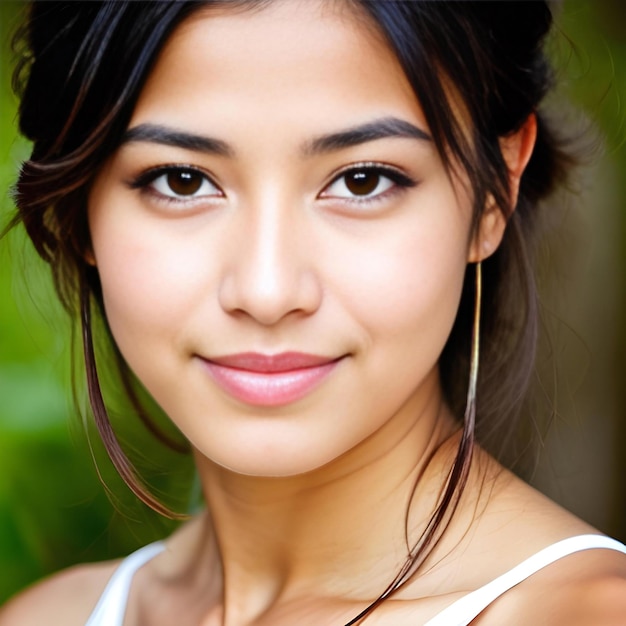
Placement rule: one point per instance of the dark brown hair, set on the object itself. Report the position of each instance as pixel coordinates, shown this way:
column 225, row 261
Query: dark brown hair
column 86, row 65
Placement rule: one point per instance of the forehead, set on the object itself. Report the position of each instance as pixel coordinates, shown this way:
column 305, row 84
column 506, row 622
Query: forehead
column 303, row 57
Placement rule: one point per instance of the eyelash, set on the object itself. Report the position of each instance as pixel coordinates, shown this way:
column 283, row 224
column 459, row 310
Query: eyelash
column 146, row 182
column 399, row 181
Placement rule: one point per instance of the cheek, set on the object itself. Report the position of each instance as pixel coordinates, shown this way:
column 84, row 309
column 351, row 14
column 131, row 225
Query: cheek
column 406, row 284
column 148, row 281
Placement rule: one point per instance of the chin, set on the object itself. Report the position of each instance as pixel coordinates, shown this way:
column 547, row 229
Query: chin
column 276, row 466
column 268, row 461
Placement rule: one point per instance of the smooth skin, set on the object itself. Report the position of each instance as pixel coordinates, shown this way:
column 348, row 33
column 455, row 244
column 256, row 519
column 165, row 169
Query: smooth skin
column 255, row 240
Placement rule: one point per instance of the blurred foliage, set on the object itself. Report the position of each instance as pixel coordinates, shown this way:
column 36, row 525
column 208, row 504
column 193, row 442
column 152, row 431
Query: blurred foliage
column 53, row 509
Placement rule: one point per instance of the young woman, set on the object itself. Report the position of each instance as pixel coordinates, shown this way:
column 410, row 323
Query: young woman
column 308, row 226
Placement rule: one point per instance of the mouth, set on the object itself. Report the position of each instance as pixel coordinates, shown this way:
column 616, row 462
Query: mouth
column 269, row 380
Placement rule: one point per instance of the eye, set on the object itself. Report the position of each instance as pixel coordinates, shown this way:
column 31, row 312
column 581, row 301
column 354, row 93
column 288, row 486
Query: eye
column 366, row 182
column 176, row 184
column 181, row 183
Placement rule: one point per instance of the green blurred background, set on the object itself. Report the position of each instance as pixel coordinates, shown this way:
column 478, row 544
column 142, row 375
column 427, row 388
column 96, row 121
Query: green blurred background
column 53, row 510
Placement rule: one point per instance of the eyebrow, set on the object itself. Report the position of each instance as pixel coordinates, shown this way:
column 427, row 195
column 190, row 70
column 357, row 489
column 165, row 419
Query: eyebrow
column 386, row 127
column 378, row 129
column 155, row 133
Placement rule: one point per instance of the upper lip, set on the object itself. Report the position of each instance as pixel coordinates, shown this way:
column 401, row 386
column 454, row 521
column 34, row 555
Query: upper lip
column 271, row 363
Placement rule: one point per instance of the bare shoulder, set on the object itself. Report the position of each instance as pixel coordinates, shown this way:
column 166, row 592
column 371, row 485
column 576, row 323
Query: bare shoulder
column 583, row 589
column 69, row 595
column 594, row 591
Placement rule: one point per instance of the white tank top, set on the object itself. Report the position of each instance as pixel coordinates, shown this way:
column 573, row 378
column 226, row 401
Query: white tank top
column 112, row 604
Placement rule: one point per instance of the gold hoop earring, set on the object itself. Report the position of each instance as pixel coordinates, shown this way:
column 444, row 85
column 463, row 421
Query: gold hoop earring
column 470, row 406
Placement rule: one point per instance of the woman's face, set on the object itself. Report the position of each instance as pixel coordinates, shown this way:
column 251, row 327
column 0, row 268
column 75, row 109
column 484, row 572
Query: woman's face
column 280, row 247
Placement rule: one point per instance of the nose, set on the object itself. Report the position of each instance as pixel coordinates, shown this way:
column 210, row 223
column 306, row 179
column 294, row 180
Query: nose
column 272, row 271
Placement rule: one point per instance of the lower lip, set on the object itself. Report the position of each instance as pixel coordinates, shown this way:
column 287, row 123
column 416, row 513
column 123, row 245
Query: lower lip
column 269, row 389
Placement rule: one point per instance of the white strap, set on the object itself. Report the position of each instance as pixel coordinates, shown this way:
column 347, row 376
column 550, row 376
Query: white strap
column 111, row 607
column 467, row 608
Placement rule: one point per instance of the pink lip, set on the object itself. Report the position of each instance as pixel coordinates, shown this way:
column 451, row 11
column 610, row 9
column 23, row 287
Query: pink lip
column 269, row 380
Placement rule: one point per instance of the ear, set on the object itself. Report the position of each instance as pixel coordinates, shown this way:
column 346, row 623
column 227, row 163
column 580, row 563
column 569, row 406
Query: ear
column 86, row 253
column 88, row 256
column 516, row 149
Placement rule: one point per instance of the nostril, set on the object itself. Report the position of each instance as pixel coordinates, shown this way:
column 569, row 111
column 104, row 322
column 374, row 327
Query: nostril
column 268, row 298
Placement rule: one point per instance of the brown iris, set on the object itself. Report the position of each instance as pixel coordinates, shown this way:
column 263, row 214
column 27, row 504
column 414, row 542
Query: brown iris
column 184, row 182
column 362, row 183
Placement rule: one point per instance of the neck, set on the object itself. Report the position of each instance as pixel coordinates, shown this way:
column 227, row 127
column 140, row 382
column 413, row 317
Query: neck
column 340, row 530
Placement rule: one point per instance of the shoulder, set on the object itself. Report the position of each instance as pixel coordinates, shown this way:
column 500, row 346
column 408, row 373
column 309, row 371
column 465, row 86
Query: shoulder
column 69, row 595
column 595, row 593
column 583, row 589
column 604, row 601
